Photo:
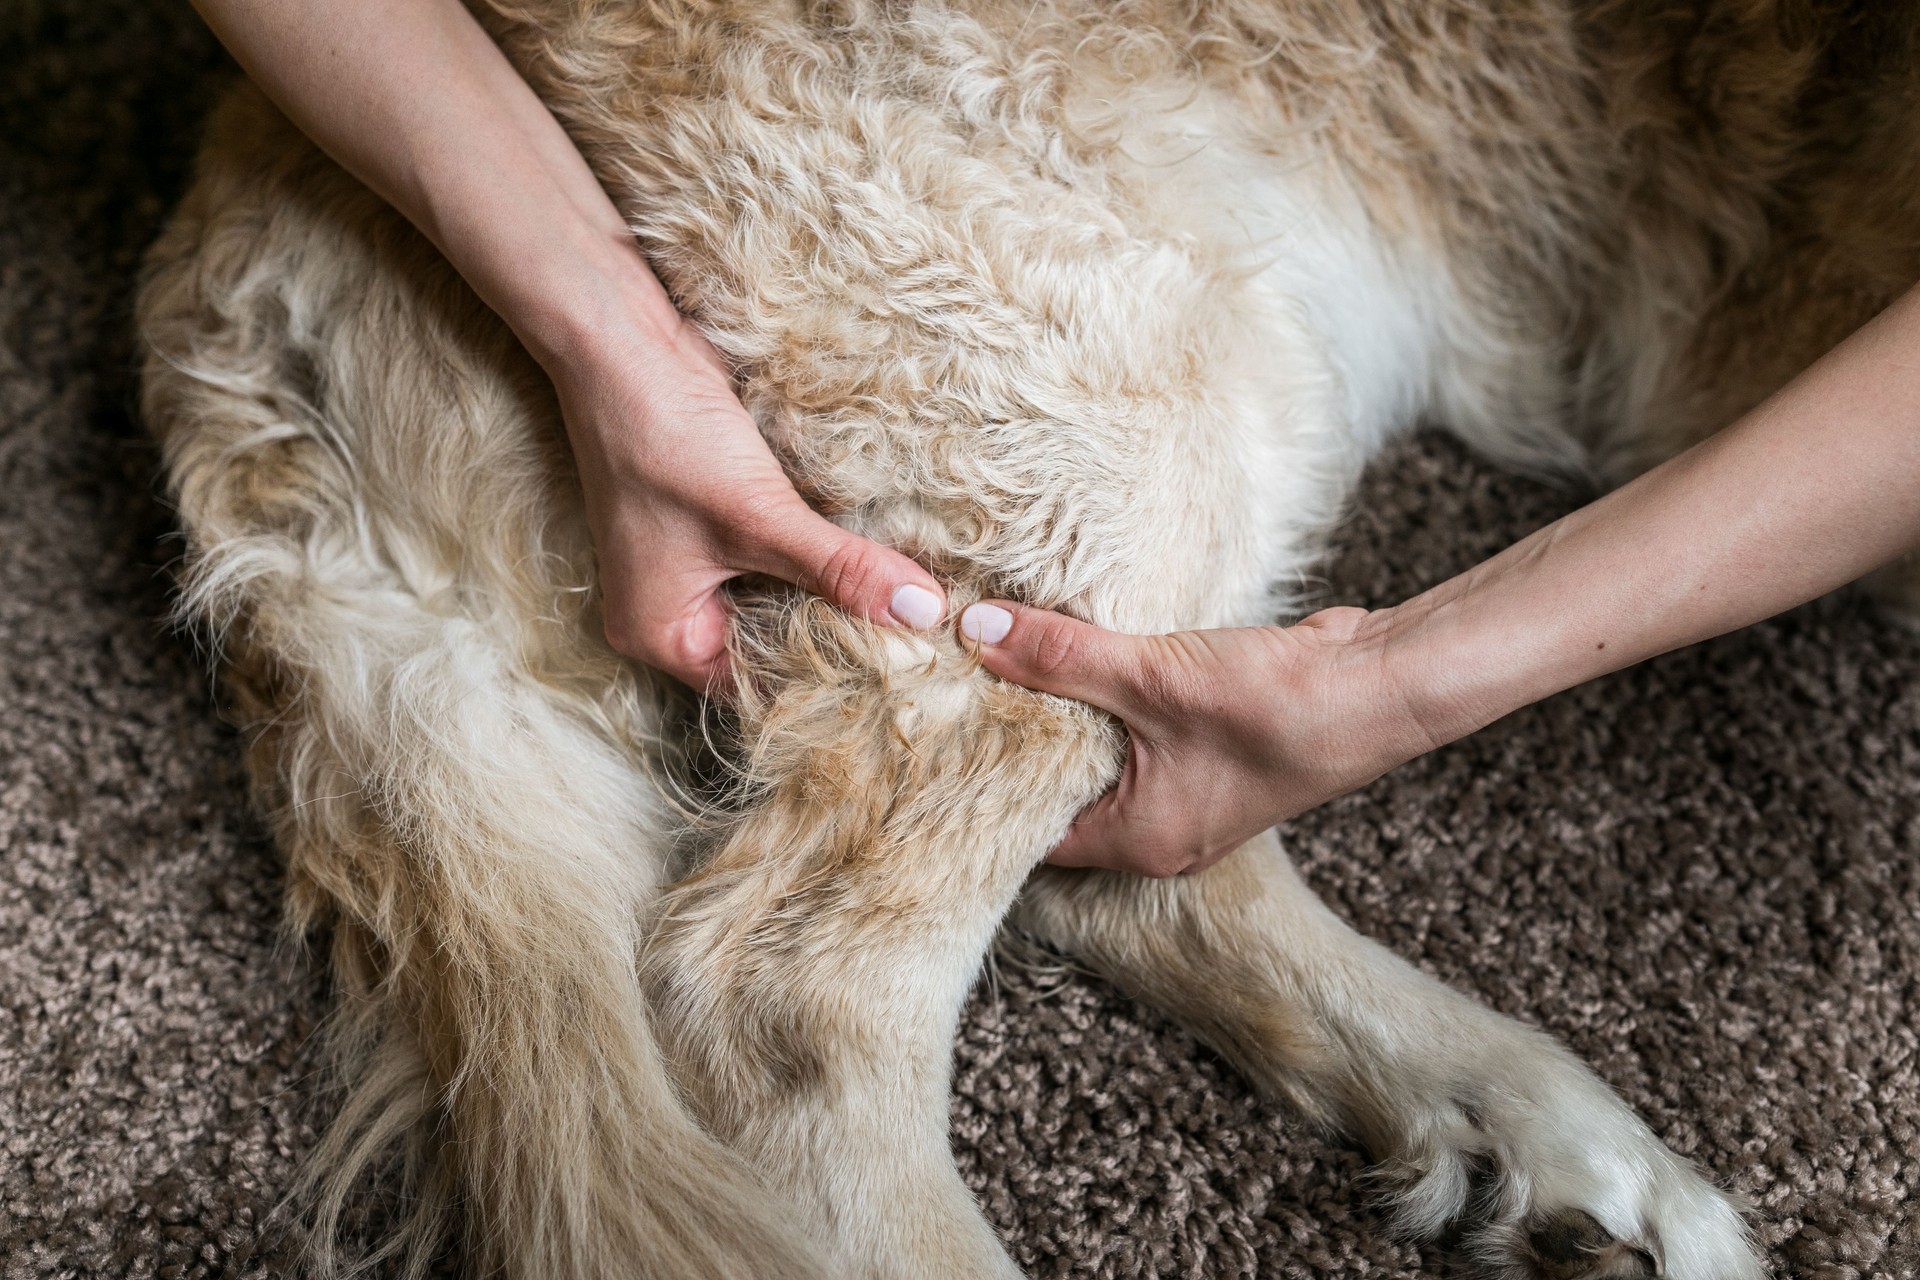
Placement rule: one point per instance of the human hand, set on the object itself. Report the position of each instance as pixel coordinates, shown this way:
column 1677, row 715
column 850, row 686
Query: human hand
column 681, row 491
column 1229, row 731
column 683, row 494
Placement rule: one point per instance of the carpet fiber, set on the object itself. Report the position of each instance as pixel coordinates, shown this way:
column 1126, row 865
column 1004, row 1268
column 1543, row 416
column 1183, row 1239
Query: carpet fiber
column 1701, row 874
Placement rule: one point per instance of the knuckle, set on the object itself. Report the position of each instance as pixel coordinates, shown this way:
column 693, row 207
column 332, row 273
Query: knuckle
column 1164, row 864
column 1055, row 649
column 626, row 635
column 1205, row 860
column 850, row 572
column 1334, row 624
column 629, row 633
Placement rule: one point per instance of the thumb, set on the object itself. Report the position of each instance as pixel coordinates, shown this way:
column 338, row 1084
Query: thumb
column 1056, row 654
column 855, row 574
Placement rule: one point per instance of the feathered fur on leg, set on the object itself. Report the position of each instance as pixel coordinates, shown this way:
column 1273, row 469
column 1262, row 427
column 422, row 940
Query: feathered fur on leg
column 369, row 475
column 809, row 979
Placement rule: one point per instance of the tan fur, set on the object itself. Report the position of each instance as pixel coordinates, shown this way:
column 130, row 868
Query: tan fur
column 1099, row 306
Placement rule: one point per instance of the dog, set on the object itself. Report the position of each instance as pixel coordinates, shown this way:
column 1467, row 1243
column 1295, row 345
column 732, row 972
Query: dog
column 1098, row 305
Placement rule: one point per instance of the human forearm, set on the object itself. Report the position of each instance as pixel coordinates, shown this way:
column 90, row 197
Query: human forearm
column 681, row 491
column 1813, row 489
column 417, row 101
column 1234, row 730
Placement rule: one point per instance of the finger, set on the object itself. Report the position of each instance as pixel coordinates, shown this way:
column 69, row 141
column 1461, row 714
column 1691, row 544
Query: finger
column 1107, row 837
column 1097, row 837
column 1056, row 654
column 704, row 663
column 854, row 573
column 691, row 648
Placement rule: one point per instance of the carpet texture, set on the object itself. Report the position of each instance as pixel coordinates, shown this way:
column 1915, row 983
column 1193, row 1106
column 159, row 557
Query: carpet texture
column 1701, row 874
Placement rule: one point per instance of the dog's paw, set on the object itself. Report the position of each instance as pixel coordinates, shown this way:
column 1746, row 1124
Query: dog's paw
column 1549, row 1176
column 1679, row 1232
column 1570, row 1244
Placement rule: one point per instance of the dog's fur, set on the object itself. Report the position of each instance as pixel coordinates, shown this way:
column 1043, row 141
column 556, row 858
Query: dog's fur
column 1098, row 305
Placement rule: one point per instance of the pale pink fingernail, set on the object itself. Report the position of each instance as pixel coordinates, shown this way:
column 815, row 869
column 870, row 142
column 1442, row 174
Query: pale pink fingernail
column 987, row 623
column 916, row 606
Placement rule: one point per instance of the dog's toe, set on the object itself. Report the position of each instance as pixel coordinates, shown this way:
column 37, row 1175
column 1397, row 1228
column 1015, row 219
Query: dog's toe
column 1546, row 1175
column 1570, row 1244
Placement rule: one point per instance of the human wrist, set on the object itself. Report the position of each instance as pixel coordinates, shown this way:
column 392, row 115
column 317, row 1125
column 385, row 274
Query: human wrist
column 590, row 309
column 1433, row 684
column 1497, row 638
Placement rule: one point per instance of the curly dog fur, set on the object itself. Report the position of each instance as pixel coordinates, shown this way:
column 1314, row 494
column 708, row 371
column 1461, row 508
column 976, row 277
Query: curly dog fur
column 1095, row 305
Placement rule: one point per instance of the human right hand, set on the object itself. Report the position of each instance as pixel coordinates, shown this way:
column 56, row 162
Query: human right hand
column 681, row 491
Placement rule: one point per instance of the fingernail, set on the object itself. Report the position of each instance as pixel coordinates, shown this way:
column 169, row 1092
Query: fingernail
column 987, row 623
column 915, row 606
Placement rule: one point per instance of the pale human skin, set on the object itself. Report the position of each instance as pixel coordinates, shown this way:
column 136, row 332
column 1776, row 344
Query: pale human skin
column 681, row 491
column 1231, row 730
column 1235, row 730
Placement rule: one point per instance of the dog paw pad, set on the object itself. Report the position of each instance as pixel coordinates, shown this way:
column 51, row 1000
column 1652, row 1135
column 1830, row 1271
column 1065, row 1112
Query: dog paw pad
column 1570, row 1244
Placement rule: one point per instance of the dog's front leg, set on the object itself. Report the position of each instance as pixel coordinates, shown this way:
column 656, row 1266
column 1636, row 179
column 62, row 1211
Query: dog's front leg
column 1472, row 1112
column 809, row 979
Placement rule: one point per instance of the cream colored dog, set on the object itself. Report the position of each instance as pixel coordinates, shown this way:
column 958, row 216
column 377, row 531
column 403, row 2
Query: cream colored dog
column 1096, row 305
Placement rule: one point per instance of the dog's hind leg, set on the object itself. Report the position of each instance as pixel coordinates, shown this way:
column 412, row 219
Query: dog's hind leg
column 385, row 539
column 1472, row 1113
column 486, row 859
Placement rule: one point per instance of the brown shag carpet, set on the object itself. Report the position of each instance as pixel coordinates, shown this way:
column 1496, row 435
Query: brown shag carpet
column 1701, row 874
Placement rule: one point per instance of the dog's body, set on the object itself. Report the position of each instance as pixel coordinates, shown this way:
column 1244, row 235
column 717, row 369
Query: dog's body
column 1095, row 306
